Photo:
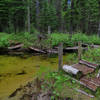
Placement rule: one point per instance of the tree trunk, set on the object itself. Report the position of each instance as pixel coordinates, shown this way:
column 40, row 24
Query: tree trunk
column 99, row 19
column 37, row 14
column 71, row 20
column 28, row 16
column 59, row 9
column 99, row 30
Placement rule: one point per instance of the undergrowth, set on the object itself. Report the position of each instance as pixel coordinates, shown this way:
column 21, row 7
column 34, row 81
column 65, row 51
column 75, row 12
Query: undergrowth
column 51, row 40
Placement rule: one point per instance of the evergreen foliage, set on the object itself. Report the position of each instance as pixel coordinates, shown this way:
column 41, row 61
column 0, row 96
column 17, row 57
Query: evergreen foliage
column 77, row 15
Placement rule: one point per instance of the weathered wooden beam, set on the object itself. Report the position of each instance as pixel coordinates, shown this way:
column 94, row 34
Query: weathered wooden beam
column 83, row 92
column 37, row 50
column 79, row 50
column 15, row 47
column 88, row 64
column 60, row 56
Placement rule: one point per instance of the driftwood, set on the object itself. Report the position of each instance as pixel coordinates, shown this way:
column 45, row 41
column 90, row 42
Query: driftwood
column 18, row 46
column 70, row 70
column 88, row 64
column 36, row 50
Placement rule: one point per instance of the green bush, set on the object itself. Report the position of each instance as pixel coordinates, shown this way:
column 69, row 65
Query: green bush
column 79, row 37
column 56, row 38
column 4, row 40
column 92, row 55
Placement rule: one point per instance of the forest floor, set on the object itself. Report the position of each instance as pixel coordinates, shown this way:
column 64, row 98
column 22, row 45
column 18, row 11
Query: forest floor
column 53, row 85
column 59, row 89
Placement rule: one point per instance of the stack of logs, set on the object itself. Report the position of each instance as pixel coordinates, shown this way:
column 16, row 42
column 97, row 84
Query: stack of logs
column 85, row 68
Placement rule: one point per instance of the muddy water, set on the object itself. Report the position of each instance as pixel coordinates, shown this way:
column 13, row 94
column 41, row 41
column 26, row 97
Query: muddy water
column 16, row 71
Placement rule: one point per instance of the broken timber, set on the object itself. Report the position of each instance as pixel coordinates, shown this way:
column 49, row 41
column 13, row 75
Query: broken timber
column 86, row 68
column 52, row 51
column 91, row 83
column 83, row 68
column 88, row 64
column 36, row 50
column 83, row 92
column 17, row 46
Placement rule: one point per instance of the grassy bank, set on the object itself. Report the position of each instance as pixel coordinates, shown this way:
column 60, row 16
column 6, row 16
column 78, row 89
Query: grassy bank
column 63, row 85
column 54, row 39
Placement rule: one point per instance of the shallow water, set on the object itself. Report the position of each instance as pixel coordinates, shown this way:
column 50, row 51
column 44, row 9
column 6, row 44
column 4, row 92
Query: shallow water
column 16, row 71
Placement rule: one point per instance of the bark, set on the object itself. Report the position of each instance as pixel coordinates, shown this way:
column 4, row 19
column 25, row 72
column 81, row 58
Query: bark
column 99, row 20
column 71, row 20
column 79, row 51
column 59, row 8
column 60, row 54
column 37, row 14
column 28, row 17
column 49, row 29
column 99, row 30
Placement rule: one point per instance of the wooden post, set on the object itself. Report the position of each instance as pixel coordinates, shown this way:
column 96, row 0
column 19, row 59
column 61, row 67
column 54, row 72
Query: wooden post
column 79, row 50
column 49, row 29
column 60, row 55
column 98, row 75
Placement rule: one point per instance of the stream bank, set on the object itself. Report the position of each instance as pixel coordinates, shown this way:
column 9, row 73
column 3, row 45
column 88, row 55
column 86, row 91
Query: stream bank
column 16, row 71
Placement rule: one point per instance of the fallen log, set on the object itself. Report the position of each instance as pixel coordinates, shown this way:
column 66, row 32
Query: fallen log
column 18, row 46
column 74, row 48
column 72, row 70
column 88, row 64
column 36, row 50
column 52, row 51
column 95, row 46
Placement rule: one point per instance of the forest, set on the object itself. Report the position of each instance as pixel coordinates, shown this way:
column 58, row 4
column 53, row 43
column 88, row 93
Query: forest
column 49, row 49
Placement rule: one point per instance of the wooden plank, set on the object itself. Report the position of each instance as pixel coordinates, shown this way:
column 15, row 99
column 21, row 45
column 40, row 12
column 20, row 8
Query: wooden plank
column 88, row 63
column 83, row 68
column 15, row 47
column 83, row 92
column 88, row 84
column 36, row 50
